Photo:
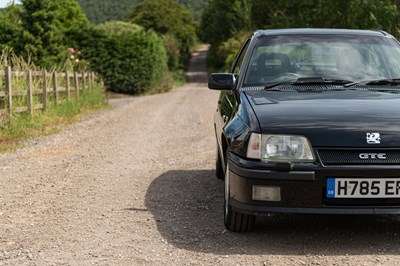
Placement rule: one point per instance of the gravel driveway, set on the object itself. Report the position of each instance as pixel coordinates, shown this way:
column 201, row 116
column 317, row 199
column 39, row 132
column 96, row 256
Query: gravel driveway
column 135, row 185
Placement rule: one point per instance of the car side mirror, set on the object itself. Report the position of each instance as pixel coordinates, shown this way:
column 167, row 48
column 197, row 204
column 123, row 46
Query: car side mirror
column 221, row 81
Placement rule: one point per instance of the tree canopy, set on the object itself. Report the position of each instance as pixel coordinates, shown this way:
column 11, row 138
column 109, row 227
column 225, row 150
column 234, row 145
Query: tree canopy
column 44, row 25
column 227, row 21
column 10, row 21
column 168, row 17
column 99, row 11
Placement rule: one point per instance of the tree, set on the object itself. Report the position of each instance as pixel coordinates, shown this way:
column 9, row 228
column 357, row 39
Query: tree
column 355, row 14
column 46, row 24
column 100, row 11
column 11, row 29
column 223, row 20
column 196, row 6
column 167, row 17
column 220, row 21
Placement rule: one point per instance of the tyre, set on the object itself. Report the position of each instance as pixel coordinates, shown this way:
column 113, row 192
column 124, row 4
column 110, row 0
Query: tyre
column 235, row 221
column 219, row 170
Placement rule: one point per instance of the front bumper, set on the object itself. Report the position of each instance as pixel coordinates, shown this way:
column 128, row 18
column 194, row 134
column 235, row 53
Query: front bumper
column 303, row 188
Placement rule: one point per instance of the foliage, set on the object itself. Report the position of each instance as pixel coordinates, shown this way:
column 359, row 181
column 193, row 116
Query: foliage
column 172, row 48
column 45, row 26
column 100, row 11
column 156, row 15
column 364, row 14
column 75, row 61
column 24, row 126
column 10, row 21
column 223, row 20
column 228, row 49
column 18, row 63
column 55, row 34
column 9, row 59
column 196, row 6
column 218, row 26
column 129, row 58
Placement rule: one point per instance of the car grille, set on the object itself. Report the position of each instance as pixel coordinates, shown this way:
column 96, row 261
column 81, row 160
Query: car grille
column 352, row 157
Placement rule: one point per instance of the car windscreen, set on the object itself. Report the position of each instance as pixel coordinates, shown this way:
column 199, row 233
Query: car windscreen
column 345, row 57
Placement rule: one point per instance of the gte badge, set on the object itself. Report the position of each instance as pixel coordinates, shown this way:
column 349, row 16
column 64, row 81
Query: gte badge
column 373, row 138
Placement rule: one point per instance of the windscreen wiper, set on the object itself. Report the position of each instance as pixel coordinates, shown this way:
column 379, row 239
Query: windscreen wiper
column 384, row 82
column 393, row 81
column 269, row 86
column 308, row 81
column 338, row 81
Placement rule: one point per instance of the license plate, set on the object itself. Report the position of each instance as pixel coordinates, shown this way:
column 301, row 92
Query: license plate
column 363, row 188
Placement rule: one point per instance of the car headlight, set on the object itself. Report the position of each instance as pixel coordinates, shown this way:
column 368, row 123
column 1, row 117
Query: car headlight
column 280, row 148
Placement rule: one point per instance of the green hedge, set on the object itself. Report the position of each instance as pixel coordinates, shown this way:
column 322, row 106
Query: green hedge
column 128, row 58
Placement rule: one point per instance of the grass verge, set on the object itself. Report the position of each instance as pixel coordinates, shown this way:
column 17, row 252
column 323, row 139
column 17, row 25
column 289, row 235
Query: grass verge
column 23, row 126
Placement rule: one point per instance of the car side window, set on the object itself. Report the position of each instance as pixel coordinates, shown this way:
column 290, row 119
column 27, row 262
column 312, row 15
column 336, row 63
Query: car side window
column 237, row 63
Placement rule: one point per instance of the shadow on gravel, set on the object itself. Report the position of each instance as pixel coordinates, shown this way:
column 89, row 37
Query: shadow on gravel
column 187, row 206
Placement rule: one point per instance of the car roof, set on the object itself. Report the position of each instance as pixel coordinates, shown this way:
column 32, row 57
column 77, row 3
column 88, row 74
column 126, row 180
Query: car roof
column 323, row 31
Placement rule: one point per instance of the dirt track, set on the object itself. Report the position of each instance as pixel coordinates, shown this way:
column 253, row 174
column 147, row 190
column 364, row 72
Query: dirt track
column 135, row 185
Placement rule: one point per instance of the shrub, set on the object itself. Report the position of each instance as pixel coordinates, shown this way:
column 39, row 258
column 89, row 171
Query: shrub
column 153, row 14
column 230, row 48
column 172, row 48
column 129, row 58
column 45, row 25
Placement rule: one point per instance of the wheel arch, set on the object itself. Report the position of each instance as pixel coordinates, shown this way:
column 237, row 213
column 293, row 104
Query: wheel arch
column 224, row 147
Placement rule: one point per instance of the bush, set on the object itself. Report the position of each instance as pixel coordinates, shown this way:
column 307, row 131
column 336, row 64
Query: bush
column 172, row 47
column 230, row 48
column 45, row 24
column 129, row 58
column 153, row 14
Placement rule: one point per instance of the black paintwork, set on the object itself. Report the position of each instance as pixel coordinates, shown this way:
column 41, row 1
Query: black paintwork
column 331, row 118
column 328, row 117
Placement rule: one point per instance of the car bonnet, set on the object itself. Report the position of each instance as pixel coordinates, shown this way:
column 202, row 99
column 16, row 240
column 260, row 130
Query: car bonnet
column 330, row 118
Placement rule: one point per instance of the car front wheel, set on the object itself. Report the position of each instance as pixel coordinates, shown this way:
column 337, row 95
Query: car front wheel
column 235, row 221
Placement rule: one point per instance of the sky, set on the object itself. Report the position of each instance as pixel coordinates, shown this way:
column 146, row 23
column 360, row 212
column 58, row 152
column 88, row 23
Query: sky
column 4, row 3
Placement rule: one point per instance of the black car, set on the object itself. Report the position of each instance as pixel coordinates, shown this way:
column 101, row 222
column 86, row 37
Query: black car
column 308, row 121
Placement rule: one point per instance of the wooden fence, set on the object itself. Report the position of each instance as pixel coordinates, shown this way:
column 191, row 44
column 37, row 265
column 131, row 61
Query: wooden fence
column 49, row 85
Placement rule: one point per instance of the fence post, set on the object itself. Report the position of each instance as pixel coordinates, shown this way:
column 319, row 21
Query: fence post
column 76, row 84
column 55, row 86
column 89, row 80
column 83, row 80
column 93, row 79
column 44, row 95
column 8, row 98
column 29, row 87
column 67, row 84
